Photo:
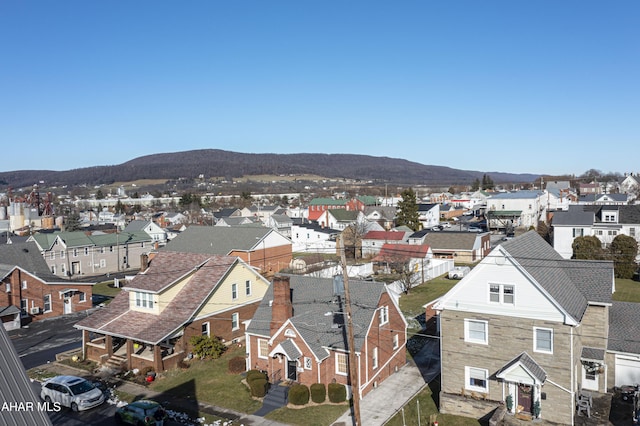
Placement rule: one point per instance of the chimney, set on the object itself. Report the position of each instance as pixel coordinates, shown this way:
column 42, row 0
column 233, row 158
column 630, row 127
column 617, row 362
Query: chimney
column 281, row 308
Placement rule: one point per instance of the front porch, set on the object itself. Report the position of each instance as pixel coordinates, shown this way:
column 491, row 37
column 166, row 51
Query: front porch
column 129, row 354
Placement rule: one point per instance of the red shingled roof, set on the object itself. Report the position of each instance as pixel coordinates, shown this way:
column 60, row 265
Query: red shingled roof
column 384, row 235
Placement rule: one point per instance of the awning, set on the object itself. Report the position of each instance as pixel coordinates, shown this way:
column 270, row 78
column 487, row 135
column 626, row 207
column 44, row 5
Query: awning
column 522, row 369
column 503, row 213
column 67, row 291
column 592, row 354
column 9, row 310
column 288, row 348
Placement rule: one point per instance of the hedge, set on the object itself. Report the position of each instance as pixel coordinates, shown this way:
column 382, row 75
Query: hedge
column 258, row 387
column 318, row 393
column 337, row 392
column 299, row 395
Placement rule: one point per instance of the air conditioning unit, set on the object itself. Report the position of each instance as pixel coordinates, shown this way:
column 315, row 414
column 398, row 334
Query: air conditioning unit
column 35, row 311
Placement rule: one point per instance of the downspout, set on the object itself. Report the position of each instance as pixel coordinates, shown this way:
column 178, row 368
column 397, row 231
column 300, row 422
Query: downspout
column 573, row 411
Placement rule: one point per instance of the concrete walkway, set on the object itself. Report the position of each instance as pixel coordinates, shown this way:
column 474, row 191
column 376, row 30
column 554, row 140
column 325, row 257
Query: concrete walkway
column 382, row 403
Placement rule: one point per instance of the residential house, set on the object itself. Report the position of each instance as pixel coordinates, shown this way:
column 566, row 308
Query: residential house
column 262, row 248
column 373, row 241
column 180, row 295
column 449, row 212
column 527, row 325
column 76, row 253
column 428, row 215
column 170, row 219
column 30, row 292
column 608, row 199
column 462, row 247
column 520, row 209
column 382, row 215
column 318, row 206
column 339, row 219
column 158, row 234
column 299, row 333
column 440, row 197
column 630, row 183
column 311, row 237
column 402, row 258
column 589, row 188
column 237, row 221
column 281, row 223
column 602, row 221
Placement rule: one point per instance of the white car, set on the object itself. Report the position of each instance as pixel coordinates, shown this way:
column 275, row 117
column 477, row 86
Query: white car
column 445, row 224
column 73, row 392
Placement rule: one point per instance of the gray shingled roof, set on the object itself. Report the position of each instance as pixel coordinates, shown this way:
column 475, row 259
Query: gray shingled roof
column 594, row 278
column 592, row 354
column 517, row 195
column 312, row 299
column 527, row 362
column 15, row 387
column 547, row 267
column 451, row 240
column 575, row 216
column 217, row 239
column 624, row 327
column 27, row 256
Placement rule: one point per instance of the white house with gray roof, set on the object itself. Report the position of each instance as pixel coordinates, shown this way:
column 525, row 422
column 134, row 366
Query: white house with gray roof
column 528, row 323
column 602, row 221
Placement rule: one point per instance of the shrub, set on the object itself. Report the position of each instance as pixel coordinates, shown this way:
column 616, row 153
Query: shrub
column 299, row 395
column 207, row 347
column 237, row 365
column 255, row 374
column 318, row 393
column 258, row 387
column 337, row 392
column 146, row 370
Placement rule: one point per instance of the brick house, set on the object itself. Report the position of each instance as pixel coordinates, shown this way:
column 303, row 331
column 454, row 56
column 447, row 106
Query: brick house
column 180, row 295
column 298, row 333
column 29, row 292
column 526, row 323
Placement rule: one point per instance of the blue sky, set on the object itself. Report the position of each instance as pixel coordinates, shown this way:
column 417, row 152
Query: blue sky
column 514, row 86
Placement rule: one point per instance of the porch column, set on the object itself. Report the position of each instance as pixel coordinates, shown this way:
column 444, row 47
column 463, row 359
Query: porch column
column 85, row 340
column 157, row 358
column 109, row 345
column 129, row 352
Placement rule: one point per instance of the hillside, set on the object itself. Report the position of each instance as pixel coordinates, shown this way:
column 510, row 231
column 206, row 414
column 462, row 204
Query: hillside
column 227, row 164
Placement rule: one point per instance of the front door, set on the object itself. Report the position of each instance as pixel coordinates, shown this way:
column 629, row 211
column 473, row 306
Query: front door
column 525, row 399
column 589, row 378
column 67, row 305
column 292, row 370
column 75, row 268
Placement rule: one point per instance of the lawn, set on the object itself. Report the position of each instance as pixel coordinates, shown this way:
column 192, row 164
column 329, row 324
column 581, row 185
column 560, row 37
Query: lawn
column 412, row 304
column 209, row 381
column 320, row 415
column 106, row 289
column 627, row 291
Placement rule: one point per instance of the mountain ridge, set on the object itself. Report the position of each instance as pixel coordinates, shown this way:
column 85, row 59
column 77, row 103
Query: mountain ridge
column 230, row 164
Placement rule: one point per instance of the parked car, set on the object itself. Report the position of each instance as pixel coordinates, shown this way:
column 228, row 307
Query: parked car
column 445, row 225
column 437, row 228
column 73, row 392
column 459, row 272
column 142, row 412
column 474, row 229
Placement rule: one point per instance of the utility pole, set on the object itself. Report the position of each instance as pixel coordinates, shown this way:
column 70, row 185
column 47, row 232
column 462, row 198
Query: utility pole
column 353, row 368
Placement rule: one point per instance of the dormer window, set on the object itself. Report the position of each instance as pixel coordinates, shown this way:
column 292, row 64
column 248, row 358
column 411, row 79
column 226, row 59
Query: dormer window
column 144, row 300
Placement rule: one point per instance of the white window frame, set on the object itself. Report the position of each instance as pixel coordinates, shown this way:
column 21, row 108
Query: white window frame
column 61, row 254
column 535, row 340
column 502, row 294
column 384, row 315
column 45, row 303
column 263, row 348
column 235, row 321
column 396, row 341
column 75, row 252
column 468, row 337
column 308, row 363
column 52, row 255
column 86, row 251
column 205, row 329
column 7, row 287
column 342, row 358
column 234, row 291
column 103, row 263
column 144, row 300
column 82, row 296
column 477, row 373
column 24, row 284
column 247, row 288
column 374, row 358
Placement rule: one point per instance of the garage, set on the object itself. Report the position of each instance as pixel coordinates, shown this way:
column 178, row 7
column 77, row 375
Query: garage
column 627, row 370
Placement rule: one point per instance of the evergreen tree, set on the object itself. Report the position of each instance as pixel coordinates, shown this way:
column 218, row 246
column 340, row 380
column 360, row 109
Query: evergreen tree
column 72, row 222
column 476, row 185
column 408, row 210
column 588, row 247
column 623, row 251
column 487, row 182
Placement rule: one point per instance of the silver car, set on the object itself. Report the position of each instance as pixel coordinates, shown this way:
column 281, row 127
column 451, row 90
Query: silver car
column 73, row 392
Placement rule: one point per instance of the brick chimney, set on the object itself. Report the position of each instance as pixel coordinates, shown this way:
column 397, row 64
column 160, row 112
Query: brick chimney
column 281, row 307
